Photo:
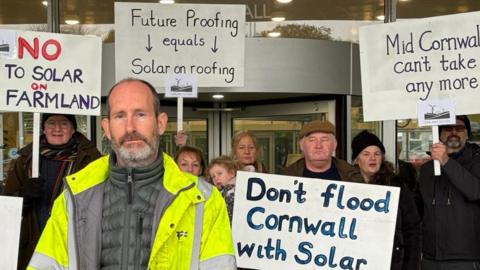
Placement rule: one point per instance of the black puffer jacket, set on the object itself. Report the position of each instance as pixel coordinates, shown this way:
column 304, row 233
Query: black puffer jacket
column 451, row 207
column 407, row 242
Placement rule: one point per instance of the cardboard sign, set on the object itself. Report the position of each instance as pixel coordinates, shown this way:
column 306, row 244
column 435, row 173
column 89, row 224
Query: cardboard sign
column 181, row 85
column 206, row 41
column 426, row 59
column 283, row 222
column 45, row 72
column 436, row 113
column 11, row 213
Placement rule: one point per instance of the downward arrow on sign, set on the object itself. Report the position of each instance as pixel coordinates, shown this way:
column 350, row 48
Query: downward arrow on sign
column 214, row 49
column 149, row 48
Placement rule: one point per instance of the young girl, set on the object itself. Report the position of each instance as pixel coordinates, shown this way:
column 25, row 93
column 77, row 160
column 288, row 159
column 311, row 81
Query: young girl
column 222, row 171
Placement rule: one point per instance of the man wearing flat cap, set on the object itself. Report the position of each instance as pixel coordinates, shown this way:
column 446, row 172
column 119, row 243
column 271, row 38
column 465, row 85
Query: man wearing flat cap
column 62, row 151
column 318, row 143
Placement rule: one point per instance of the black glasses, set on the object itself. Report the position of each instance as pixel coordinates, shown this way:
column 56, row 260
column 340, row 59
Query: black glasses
column 458, row 128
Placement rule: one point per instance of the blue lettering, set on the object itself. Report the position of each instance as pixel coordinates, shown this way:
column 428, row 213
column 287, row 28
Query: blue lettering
column 382, row 204
column 271, row 225
column 298, row 220
column 312, row 227
column 352, row 229
column 340, row 197
column 346, row 263
column 328, row 194
column 341, row 228
column 249, row 218
column 366, row 204
column 260, row 183
column 247, row 248
column 353, row 203
column 304, row 250
column 331, row 257
column 328, row 228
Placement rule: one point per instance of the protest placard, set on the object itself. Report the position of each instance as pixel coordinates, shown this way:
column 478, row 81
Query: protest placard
column 206, row 41
column 11, row 213
column 47, row 72
column 434, row 58
column 283, row 222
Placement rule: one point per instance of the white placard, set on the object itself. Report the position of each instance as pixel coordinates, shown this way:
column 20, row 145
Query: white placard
column 207, row 41
column 51, row 73
column 11, row 213
column 435, row 58
column 436, row 113
column 181, row 85
column 8, row 44
column 283, row 222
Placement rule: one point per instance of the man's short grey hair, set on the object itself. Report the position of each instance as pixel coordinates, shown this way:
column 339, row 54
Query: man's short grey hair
column 155, row 100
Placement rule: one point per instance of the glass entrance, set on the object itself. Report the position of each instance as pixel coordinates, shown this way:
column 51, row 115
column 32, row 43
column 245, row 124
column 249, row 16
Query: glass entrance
column 277, row 128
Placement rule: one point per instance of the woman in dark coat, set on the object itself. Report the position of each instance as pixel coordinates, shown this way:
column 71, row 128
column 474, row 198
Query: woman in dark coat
column 368, row 154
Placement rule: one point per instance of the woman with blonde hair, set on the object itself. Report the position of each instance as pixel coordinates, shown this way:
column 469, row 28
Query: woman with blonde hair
column 245, row 150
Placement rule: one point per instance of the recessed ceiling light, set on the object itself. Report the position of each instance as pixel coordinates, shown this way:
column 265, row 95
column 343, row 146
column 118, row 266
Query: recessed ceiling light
column 381, row 17
column 45, row 3
column 278, row 19
column 72, row 22
column 284, row 1
column 218, row 96
column 274, row 34
column 167, row 1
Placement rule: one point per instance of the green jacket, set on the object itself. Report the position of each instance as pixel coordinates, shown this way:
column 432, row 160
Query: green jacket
column 71, row 238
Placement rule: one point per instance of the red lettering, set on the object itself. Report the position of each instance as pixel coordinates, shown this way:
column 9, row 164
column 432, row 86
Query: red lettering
column 54, row 56
column 38, row 86
column 33, row 51
column 23, row 44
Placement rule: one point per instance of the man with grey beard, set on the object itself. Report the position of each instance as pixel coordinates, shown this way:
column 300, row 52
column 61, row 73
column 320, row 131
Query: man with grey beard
column 451, row 202
column 135, row 209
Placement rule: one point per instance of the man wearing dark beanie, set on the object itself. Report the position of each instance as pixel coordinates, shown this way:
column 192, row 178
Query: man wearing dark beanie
column 451, row 201
column 318, row 143
column 63, row 151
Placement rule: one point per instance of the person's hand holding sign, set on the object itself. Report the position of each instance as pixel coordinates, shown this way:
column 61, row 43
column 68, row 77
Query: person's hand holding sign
column 439, row 152
column 181, row 138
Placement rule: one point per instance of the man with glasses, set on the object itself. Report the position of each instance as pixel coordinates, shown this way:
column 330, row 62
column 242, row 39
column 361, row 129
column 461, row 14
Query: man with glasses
column 63, row 151
column 451, row 201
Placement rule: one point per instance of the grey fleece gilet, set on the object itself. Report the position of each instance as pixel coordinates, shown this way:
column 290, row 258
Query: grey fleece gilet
column 130, row 198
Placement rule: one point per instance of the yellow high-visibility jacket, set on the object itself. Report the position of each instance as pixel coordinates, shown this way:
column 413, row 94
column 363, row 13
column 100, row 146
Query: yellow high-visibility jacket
column 71, row 238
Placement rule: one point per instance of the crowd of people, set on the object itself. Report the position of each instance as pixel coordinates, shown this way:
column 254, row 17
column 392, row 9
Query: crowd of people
column 139, row 208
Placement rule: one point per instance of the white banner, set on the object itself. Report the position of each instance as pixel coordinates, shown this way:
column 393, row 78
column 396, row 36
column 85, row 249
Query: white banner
column 46, row 72
column 206, row 41
column 11, row 213
column 283, row 222
column 424, row 59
